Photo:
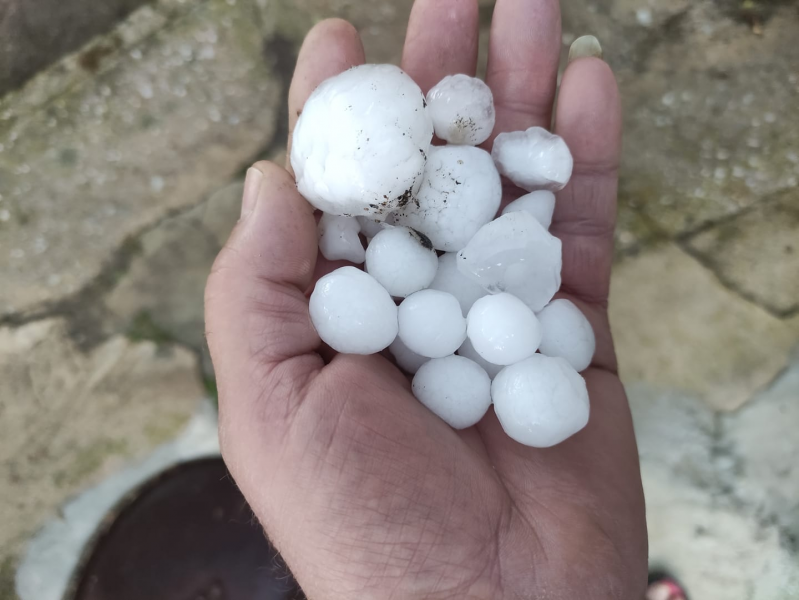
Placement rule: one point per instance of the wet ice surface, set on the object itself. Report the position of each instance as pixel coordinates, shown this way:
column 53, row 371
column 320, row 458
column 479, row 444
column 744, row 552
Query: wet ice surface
column 541, row 401
column 461, row 192
column 353, row 313
column 462, row 109
column 339, row 240
column 431, row 323
column 455, row 388
column 402, row 261
column 533, row 159
column 514, row 254
column 360, row 145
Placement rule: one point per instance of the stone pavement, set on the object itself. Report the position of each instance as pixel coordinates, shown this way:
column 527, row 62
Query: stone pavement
column 120, row 177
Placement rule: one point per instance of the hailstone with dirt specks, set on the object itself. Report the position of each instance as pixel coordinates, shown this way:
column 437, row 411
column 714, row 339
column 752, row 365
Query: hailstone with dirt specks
column 360, row 145
column 462, row 109
column 540, row 204
column 461, row 192
column 533, row 159
column 402, row 260
column 567, row 334
column 541, row 401
column 352, row 313
column 515, row 254
column 431, row 323
column 455, row 388
column 339, row 240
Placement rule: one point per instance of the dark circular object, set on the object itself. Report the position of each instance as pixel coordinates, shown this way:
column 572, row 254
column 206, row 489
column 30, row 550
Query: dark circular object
column 187, row 535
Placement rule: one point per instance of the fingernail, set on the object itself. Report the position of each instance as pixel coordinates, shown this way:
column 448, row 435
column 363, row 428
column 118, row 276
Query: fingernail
column 252, row 185
column 585, row 46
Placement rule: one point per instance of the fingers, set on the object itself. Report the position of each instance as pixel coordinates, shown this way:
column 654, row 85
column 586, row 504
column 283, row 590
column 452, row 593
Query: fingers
column 589, row 119
column 442, row 40
column 256, row 313
column 333, row 46
column 523, row 62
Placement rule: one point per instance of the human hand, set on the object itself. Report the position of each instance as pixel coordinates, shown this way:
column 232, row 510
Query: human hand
column 364, row 491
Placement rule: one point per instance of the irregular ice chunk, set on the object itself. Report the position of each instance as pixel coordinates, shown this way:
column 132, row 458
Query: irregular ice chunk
column 402, row 261
column 338, row 239
column 462, row 108
column 540, row 401
column 407, row 359
column 461, row 193
column 431, row 323
column 360, row 144
column 353, row 313
column 540, row 204
column 567, row 334
column 533, row 159
column 515, row 254
column 454, row 388
column 468, row 351
column 449, row 279
column 503, row 330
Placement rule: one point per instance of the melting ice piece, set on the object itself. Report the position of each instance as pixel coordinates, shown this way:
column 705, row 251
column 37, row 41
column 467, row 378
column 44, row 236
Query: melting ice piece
column 502, row 329
column 455, row 388
column 402, row 261
column 353, row 313
column 540, row 204
column 431, row 323
column 338, row 239
column 462, row 108
column 533, row 159
column 540, row 401
column 515, row 254
column 567, row 334
column 449, row 279
column 461, row 193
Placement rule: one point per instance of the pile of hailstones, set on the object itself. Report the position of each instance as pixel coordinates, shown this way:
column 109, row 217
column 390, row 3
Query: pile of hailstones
column 459, row 297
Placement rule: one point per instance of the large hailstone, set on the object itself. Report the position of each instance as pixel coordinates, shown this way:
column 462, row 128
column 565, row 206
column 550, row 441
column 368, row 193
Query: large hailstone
column 449, row 279
column 402, row 261
column 339, row 240
column 541, row 401
column 567, row 334
column 515, row 254
column 406, row 359
column 431, row 323
column 533, row 159
column 454, row 388
column 540, row 204
column 352, row 313
column 461, row 192
column 503, row 330
column 462, row 109
column 360, row 144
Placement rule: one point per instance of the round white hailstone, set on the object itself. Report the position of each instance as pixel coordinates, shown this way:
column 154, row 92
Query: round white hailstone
column 402, row 260
column 462, row 108
column 360, row 144
column 431, row 323
column 468, row 351
column 449, row 279
column 515, row 254
column 407, row 359
column 540, row 204
column 455, row 388
column 338, row 239
column 567, row 334
column 352, row 313
column 534, row 159
column 461, row 193
column 541, row 401
column 503, row 330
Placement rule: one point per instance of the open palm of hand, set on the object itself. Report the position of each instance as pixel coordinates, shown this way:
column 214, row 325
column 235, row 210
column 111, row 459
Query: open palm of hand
column 364, row 491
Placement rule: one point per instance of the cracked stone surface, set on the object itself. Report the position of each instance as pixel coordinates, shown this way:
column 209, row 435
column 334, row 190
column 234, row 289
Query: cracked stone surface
column 676, row 326
column 68, row 418
column 166, row 122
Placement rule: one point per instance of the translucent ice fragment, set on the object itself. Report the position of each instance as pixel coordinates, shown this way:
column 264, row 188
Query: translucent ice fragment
column 533, row 159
